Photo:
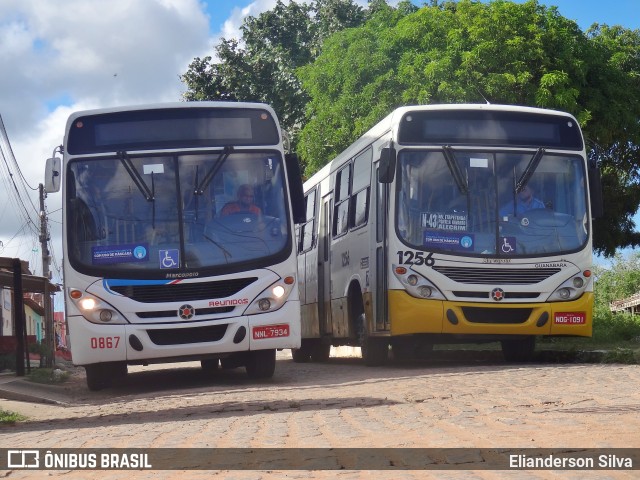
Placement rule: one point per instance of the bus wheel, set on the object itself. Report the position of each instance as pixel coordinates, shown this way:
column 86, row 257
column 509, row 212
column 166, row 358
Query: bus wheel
column 209, row 364
column 97, row 376
column 302, row 354
column 519, row 350
column 261, row 363
column 320, row 352
column 375, row 351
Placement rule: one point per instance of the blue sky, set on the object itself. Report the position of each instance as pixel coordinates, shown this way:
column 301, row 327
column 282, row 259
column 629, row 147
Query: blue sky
column 98, row 53
column 584, row 12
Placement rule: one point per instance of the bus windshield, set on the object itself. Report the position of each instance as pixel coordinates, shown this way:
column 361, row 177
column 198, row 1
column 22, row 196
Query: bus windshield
column 491, row 203
column 178, row 215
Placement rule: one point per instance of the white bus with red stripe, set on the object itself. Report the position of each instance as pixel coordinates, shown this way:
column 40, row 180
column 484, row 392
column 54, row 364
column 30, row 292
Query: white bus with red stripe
column 154, row 270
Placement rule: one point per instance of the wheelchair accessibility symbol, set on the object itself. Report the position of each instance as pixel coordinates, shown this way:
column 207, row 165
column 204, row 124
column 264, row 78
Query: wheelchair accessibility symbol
column 508, row 244
column 169, row 258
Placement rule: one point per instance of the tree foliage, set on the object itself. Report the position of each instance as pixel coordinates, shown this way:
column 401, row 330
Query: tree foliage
column 332, row 69
column 500, row 52
column 261, row 65
column 618, row 281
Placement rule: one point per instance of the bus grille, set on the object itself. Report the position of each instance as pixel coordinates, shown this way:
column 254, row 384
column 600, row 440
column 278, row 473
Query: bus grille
column 497, row 276
column 487, row 295
column 182, row 336
column 502, row 316
column 182, row 292
column 174, row 312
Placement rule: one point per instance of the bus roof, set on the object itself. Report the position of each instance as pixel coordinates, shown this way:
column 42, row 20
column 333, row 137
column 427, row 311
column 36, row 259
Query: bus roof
column 393, row 119
column 155, row 106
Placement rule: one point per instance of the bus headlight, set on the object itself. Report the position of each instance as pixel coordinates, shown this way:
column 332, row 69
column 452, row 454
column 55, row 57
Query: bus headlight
column 273, row 297
column 94, row 309
column 572, row 288
column 416, row 285
column 425, row 291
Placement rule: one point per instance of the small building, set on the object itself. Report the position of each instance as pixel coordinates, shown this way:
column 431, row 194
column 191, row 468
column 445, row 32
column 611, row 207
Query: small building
column 630, row 304
column 33, row 301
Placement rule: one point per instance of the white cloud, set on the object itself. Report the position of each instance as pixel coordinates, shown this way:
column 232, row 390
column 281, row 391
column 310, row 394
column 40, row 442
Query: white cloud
column 59, row 57
column 231, row 27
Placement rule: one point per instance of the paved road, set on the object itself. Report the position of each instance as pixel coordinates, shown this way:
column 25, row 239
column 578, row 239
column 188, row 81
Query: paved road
column 440, row 403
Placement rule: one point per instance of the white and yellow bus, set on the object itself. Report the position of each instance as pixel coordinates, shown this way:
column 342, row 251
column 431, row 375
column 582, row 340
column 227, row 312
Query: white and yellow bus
column 156, row 269
column 449, row 224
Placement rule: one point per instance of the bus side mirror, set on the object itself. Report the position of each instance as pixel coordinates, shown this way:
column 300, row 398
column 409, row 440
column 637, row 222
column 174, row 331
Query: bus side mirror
column 387, row 167
column 296, row 190
column 52, row 175
column 595, row 192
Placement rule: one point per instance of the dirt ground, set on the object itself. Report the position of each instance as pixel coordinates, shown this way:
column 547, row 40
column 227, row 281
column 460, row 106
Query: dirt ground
column 441, row 403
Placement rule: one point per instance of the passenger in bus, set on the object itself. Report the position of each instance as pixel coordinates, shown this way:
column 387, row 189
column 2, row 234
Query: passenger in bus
column 525, row 201
column 244, row 203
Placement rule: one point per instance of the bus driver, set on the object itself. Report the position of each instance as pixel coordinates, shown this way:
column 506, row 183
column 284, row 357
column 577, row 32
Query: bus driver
column 526, row 201
column 244, row 203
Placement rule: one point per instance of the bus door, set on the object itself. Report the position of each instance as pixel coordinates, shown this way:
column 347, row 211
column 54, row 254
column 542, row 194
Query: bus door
column 324, row 268
column 380, row 207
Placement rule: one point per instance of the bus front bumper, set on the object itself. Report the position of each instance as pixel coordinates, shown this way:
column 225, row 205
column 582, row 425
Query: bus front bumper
column 410, row 315
column 94, row 343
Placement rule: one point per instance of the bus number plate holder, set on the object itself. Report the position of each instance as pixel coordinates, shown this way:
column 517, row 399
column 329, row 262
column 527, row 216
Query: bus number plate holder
column 270, row 331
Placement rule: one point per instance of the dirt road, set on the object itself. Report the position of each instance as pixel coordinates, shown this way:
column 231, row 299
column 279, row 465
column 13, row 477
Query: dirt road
column 440, row 403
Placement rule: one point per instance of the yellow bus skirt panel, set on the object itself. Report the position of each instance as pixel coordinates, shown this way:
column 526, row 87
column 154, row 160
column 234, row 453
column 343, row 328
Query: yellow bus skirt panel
column 408, row 314
column 413, row 315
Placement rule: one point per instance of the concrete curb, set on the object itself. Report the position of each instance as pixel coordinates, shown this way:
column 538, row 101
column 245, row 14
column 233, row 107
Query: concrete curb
column 22, row 390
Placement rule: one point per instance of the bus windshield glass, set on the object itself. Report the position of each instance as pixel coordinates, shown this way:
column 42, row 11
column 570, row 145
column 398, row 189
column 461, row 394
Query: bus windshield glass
column 176, row 215
column 510, row 204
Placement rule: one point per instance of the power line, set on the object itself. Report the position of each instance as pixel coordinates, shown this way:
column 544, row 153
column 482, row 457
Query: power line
column 6, row 137
column 15, row 196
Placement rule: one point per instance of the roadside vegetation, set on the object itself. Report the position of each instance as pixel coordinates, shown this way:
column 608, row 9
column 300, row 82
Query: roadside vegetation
column 48, row 375
column 10, row 418
column 617, row 333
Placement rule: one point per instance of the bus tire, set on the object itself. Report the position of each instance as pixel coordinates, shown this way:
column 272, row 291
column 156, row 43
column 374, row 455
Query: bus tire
column 375, row 351
column 261, row 363
column 302, row 354
column 519, row 350
column 210, row 364
column 97, row 377
column 320, row 352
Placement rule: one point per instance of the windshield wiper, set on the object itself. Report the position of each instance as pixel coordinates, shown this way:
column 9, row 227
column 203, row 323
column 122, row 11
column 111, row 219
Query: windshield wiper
column 461, row 182
column 228, row 150
column 227, row 254
column 529, row 170
column 148, row 194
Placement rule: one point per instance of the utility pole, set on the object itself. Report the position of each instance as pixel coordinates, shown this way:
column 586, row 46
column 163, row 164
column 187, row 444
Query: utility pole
column 49, row 330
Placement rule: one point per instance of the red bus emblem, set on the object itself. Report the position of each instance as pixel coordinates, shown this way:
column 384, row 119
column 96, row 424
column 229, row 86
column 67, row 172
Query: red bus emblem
column 497, row 294
column 185, row 312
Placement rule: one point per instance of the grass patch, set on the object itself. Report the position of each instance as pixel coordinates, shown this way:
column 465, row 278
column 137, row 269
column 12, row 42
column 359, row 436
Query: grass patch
column 10, row 418
column 48, row 376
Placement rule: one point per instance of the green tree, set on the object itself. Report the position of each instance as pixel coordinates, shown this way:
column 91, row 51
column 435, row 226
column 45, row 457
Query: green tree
column 261, row 65
column 501, row 52
column 618, row 281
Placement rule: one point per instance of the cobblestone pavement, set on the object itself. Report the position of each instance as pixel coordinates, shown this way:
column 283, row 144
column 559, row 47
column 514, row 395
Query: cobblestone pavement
column 438, row 403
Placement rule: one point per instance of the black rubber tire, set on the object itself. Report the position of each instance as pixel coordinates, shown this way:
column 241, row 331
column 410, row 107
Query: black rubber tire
column 375, row 350
column 519, row 350
column 261, row 363
column 321, row 352
column 210, row 364
column 302, row 354
column 97, row 377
